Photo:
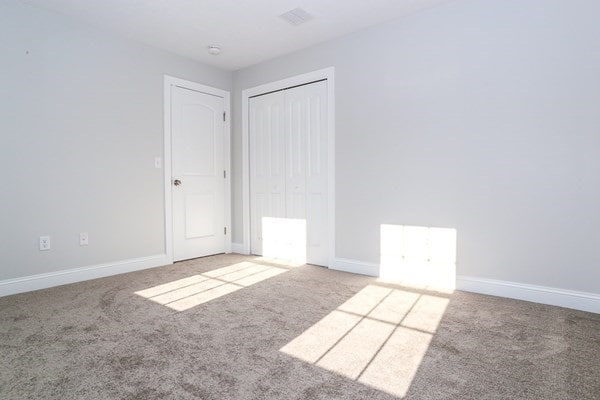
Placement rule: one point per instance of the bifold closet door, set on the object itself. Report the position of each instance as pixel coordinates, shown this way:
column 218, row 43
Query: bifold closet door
column 306, row 165
column 267, row 164
column 288, row 169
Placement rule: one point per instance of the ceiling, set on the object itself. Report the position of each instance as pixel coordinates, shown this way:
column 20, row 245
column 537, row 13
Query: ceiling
column 248, row 31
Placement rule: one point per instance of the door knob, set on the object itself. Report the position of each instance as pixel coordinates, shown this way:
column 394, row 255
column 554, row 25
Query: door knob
column 176, row 182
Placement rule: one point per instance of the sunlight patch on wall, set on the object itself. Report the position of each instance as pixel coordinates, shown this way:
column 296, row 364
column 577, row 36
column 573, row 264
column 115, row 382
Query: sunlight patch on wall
column 419, row 256
column 284, row 238
column 183, row 294
column 378, row 337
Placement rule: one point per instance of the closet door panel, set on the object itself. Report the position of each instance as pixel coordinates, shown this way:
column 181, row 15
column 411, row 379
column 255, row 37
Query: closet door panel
column 267, row 164
column 296, row 157
column 306, row 177
column 317, row 174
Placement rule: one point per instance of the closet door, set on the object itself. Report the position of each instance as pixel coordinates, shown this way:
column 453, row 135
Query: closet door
column 267, row 164
column 288, row 174
column 306, row 165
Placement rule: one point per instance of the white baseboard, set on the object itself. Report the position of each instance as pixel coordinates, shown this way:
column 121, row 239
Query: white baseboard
column 537, row 294
column 513, row 290
column 356, row 267
column 238, row 248
column 43, row 281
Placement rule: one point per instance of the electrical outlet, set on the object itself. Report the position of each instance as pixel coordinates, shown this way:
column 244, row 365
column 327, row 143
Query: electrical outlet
column 157, row 162
column 44, row 243
column 84, row 240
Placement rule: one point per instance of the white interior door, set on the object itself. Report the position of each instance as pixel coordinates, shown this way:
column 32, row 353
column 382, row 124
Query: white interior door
column 198, row 191
column 288, row 174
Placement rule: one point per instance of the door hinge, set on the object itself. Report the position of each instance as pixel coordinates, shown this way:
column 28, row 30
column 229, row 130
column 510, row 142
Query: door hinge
column 225, row 174
column 223, row 116
column 225, row 230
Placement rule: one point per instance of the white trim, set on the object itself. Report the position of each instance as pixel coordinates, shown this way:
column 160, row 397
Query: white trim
column 43, row 281
column 327, row 73
column 537, row 294
column 238, row 248
column 168, row 223
column 170, row 81
column 356, row 267
column 513, row 290
column 227, row 166
column 245, row 175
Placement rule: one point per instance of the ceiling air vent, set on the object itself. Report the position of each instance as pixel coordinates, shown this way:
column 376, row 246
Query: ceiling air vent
column 296, row 16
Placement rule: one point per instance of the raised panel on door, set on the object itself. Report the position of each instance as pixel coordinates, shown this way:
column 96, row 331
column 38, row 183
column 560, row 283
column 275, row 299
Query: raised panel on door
column 296, row 128
column 267, row 164
column 306, row 145
column 317, row 174
column 198, row 163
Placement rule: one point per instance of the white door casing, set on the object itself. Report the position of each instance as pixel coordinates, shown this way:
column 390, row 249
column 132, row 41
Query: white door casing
column 289, row 171
column 198, row 167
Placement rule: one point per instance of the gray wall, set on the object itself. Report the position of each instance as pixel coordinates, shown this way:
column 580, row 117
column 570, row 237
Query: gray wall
column 482, row 116
column 81, row 120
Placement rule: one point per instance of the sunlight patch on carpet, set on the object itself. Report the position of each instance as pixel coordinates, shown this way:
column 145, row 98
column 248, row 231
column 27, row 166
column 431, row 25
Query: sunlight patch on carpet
column 183, row 294
column 378, row 337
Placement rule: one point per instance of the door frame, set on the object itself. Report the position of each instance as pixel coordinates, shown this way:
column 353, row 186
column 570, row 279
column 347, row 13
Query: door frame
column 329, row 75
column 169, row 82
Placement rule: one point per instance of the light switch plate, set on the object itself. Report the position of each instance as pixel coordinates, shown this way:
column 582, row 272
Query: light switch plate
column 157, row 162
column 84, row 239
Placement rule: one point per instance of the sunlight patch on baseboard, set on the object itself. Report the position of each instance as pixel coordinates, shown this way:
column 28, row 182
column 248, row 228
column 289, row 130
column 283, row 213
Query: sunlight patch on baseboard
column 378, row 337
column 183, row 294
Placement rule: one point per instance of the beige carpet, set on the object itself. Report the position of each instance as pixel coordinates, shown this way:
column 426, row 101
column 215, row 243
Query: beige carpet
column 235, row 327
